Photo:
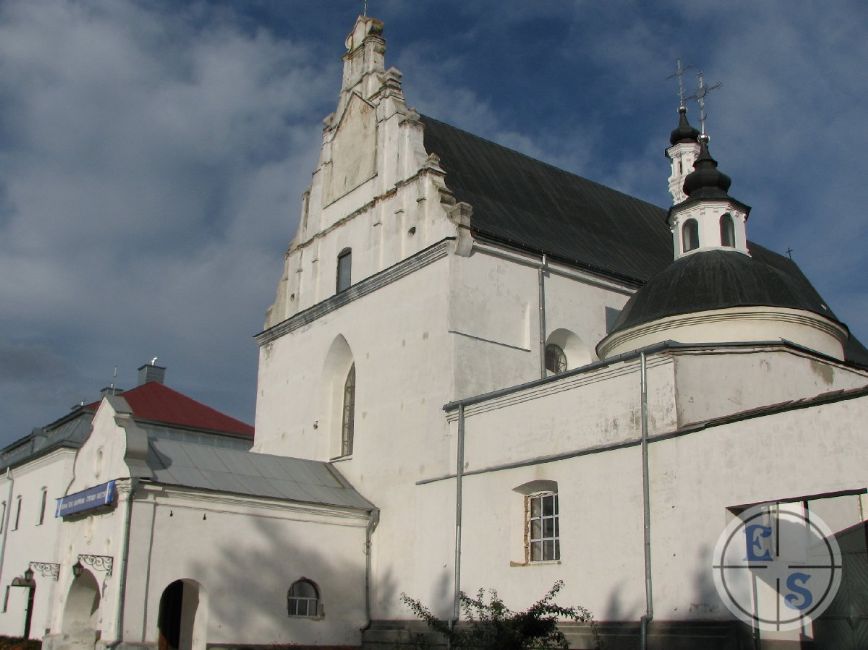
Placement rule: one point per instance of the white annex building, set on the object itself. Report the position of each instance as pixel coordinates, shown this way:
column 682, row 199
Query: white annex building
column 479, row 370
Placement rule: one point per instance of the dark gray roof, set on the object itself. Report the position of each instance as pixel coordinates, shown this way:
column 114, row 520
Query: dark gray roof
column 70, row 432
column 242, row 472
column 535, row 206
column 720, row 279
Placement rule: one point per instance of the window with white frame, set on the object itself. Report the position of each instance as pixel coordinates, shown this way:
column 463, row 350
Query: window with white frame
column 543, row 528
column 303, row 599
column 727, row 231
column 690, row 235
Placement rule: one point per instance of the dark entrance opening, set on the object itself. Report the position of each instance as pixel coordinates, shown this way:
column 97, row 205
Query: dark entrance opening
column 171, row 604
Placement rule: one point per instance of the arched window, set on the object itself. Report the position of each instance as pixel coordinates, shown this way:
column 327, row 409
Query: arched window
column 689, row 235
column 727, row 231
column 564, row 351
column 302, row 599
column 349, row 412
column 345, row 267
column 556, row 360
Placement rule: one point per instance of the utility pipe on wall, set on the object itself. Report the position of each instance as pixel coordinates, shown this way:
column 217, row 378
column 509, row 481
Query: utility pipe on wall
column 459, row 478
column 646, row 503
column 542, row 315
column 125, row 550
column 373, row 520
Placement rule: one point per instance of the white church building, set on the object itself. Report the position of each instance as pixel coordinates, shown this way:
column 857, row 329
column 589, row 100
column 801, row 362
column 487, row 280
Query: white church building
column 479, row 370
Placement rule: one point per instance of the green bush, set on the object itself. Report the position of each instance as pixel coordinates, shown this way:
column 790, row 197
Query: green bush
column 491, row 625
column 16, row 643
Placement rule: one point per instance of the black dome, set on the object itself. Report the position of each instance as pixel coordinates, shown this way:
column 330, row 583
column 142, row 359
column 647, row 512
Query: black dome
column 706, row 181
column 720, row 279
column 684, row 132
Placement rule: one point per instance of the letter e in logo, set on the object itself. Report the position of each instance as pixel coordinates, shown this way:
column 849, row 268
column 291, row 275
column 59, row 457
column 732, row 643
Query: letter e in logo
column 755, row 534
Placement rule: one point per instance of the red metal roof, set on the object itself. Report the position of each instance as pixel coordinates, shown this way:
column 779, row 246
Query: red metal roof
column 158, row 403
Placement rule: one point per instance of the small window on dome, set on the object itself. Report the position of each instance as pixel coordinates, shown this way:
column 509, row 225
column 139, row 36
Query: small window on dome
column 727, row 231
column 690, row 235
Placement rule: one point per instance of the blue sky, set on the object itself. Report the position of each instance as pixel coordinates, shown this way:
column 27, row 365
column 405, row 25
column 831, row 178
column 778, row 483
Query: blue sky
column 153, row 154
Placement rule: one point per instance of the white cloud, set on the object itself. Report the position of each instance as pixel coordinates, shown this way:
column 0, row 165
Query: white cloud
column 148, row 162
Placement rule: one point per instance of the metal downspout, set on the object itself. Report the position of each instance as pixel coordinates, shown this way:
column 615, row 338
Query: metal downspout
column 4, row 523
column 542, row 315
column 646, row 504
column 373, row 520
column 122, row 580
column 459, row 478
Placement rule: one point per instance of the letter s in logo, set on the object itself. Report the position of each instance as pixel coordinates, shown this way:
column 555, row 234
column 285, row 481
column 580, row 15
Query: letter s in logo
column 792, row 599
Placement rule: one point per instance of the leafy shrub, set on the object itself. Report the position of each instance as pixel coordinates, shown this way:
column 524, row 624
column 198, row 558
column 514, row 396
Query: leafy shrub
column 491, row 625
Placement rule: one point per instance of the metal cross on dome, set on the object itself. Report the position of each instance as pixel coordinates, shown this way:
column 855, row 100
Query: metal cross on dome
column 701, row 91
column 679, row 73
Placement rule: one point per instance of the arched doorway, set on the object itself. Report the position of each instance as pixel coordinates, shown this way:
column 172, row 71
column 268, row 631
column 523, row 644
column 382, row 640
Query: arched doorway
column 180, row 623
column 81, row 612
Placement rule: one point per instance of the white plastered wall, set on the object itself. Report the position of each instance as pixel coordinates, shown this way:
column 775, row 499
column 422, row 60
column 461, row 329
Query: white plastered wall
column 32, row 541
column 255, row 550
column 695, row 479
column 457, row 327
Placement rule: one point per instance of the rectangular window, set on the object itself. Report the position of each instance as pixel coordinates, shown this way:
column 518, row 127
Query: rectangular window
column 42, row 506
column 543, row 529
column 17, row 513
column 345, row 264
column 6, row 600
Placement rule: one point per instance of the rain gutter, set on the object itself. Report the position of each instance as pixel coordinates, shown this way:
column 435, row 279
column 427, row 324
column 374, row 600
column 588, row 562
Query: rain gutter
column 646, row 504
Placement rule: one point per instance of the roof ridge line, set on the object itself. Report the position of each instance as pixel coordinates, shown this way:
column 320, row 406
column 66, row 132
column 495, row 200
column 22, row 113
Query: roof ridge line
column 542, row 162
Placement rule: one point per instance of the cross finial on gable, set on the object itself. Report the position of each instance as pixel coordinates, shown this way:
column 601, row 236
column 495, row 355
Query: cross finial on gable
column 365, row 8
column 701, row 91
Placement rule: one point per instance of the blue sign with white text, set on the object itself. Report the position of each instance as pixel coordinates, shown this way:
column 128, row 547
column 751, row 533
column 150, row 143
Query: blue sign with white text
column 95, row 497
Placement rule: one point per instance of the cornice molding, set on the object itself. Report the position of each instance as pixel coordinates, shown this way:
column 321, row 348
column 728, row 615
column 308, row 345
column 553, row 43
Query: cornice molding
column 362, row 288
column 769, row 314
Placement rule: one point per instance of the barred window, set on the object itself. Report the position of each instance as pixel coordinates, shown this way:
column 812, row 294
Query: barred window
column 556, row 359
column 543, row 529
column 303, row 599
